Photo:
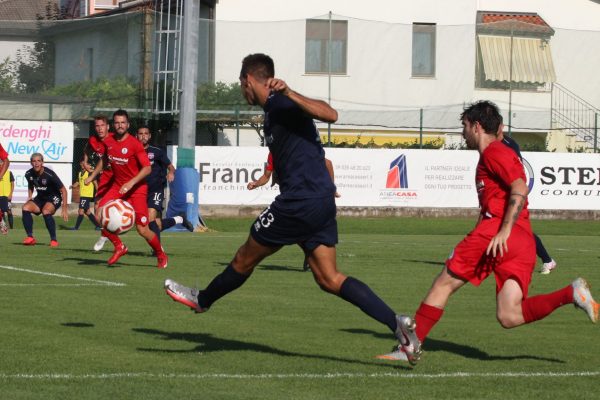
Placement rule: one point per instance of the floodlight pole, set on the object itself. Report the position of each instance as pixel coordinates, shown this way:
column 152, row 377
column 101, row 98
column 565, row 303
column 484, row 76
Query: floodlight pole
column 329, row 78
column 189, row 84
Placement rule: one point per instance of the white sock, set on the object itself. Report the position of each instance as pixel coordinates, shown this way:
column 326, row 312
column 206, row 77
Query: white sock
column 178, row 219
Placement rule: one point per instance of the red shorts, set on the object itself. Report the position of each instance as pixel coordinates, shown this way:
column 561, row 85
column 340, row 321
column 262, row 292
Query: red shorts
column 104, row 183
column 468, row 260
column 137, row 198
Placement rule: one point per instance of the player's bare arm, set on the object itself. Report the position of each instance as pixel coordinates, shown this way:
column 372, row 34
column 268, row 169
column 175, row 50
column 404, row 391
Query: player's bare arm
column 170, row 173
column 317, row 109
column 516, row 202
column 64, row 208
column 95, row 172
column 144, row 172
column 260, row 181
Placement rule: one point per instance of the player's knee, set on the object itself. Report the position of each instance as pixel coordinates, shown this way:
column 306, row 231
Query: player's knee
column 506, row 319
column 329, row 283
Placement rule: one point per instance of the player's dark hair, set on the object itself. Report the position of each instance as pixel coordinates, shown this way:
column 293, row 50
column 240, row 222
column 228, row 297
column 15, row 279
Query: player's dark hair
column 144, row 126
column 101, row 117
column 258, row 65
column 486, row 113
column 122, row 113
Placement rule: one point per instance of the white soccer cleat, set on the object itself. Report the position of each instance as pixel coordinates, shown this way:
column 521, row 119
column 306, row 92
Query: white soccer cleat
column 548, row 267
column 582, row 298
column 100, row 243
column 397, row 354
column 3, row 227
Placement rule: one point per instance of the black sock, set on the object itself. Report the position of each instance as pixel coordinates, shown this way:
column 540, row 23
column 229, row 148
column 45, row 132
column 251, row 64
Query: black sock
column 28, row 222
column 154, row 228
column 166, row 223
column 10, row 220
column 227, row 281
column 541, row 250
column 359, row 294
column 92, row 218
column 51, row 225
column 79, row 221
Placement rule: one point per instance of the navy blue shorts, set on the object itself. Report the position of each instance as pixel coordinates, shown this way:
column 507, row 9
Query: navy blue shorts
column 307, row 222
column 155, row 200
column 85, row 203
column 41, row 202
column 4, row 204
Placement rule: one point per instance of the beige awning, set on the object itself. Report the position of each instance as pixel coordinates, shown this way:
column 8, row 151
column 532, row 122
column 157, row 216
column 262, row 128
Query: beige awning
column 531, row 59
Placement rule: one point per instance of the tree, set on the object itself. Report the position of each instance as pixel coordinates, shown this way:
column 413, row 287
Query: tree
column 35, row 66
column 8, row 81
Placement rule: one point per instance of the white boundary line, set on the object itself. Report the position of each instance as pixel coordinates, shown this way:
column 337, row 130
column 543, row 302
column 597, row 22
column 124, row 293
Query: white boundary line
column 93, row 281
column 335, row 375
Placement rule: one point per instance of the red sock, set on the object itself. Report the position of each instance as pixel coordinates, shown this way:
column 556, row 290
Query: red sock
column 426, row 317
column 155, row 244
column 540, row 306
column 114, row 239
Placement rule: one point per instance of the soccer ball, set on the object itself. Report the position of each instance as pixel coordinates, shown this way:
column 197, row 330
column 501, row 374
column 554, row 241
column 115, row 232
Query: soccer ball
column 118, row 216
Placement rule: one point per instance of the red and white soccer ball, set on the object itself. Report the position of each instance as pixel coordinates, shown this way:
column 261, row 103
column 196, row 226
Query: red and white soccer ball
column 118, row 216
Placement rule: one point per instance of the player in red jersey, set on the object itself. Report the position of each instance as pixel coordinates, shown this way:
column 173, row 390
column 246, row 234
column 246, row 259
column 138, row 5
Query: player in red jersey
column 130, row 165
column 96, row 147
column 502, row 241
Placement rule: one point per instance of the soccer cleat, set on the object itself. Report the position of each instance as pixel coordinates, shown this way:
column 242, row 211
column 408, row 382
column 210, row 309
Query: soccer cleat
column 186, row 224
column 406, row 335
column 53, row 243
column 29, row 241
column 184, row 295
column 163, row 260
column 73, row 229
column 100, row 243
column 118, row 253
column 397, row 354
column 582, row 298
column 548, row 267
column 3, row 227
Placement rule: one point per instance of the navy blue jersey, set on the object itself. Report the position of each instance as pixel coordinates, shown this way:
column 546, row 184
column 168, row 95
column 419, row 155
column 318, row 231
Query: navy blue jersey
column 47, row 184
column 159, row 161
column 510, row 142
column 298, row 155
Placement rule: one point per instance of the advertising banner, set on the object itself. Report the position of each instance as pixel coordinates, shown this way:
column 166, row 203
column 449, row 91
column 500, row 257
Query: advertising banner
column 403, row 178
column 54, row 140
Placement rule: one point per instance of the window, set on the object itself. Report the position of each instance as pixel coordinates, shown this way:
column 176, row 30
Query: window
column 423, row 50
column 317, row 52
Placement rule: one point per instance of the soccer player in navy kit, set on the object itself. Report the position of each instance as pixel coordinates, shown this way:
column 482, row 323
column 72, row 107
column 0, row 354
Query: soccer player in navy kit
column 51, row 193
column 304, row 213
column 157, row 181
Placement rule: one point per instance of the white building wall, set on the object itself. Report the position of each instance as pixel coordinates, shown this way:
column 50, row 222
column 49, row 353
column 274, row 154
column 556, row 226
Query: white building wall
column 379, row 53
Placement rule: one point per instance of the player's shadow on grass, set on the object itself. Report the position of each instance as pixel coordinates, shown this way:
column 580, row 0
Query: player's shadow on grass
column 206, row 343
column 271, row 267
column 432, row 345
column 77, row 324
column 436, row 263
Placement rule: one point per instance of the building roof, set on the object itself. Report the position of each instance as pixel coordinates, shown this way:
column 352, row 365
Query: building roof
column 23, row 10
column 516, row 22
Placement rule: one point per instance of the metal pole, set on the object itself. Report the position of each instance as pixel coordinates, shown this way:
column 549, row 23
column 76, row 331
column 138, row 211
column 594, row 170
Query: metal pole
column 421, row 128
column 595, row 132
column 189, row 75
column 329, row 78
column 237, row 125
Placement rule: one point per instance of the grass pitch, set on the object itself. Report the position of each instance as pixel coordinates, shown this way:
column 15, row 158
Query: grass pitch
column 72, row 327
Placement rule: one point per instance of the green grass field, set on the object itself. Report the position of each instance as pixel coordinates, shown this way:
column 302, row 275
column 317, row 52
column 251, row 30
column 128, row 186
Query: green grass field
column 73, row 328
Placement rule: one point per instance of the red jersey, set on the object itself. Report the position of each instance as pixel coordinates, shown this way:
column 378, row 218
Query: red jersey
column 498, row 167
column 97, row 147
column 126, row 157
column 3, row 153
column 269, row 166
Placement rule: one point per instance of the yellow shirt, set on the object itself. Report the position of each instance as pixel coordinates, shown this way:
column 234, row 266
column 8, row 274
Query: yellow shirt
column 5, row 184
column 85, row 190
